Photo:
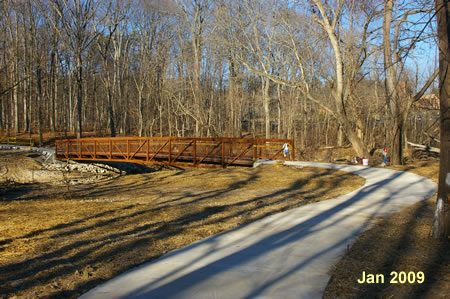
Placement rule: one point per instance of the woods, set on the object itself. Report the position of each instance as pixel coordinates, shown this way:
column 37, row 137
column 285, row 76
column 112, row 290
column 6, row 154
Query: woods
column 325, row 73
column 341, row 81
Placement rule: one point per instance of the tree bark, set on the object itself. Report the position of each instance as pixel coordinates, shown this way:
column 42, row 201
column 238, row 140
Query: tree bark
column 232, row 93
column 112, row 126
column 441, row 222
column 397, row 141
column 79, row 97
column 140, row 112
column 71, row 125
column 279, row 110
column 16, row 75
column 390, row 86
column 266, row 99
column 39, row 104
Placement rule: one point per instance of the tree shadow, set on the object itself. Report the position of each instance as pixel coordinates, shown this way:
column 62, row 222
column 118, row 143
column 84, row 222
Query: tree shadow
column 112, row 243
column 303, row 230
column 395, row 244
column 63, row 226
column 47, row 267
column 11, row 191
column 29, row 268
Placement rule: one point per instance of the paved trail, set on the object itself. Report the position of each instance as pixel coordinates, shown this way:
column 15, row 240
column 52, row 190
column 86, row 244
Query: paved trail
column 287, row 255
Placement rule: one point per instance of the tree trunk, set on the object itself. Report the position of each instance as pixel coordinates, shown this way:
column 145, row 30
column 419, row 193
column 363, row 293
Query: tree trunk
column 2, row 112
column 8, row 119
column 79, row 96
column 441, row 222
column 30, row 99
column 397, row 141
column 160, row 110
column 305, row 124
column 266, row 99
column 169, row 117
column 55, row 95
column 140, row 113
column 26, row 84
column 391, row 83
column 65, row 109
column 26, row 120
column 16, row 104
column 340, row 136
column 352, row 136
column 16, row 75
column 71, row 125
column 279, row 110
column 112, row 128
column 231, row 127
column 39, row 105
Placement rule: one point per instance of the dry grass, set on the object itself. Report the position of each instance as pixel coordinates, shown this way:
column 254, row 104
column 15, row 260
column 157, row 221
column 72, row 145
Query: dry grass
column 397, row 243
column 58, row 242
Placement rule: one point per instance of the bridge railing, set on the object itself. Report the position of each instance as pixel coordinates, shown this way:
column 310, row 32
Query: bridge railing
column 183, row 151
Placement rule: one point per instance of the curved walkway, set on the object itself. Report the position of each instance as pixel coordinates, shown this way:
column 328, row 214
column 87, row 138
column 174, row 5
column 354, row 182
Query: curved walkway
column 287, row 255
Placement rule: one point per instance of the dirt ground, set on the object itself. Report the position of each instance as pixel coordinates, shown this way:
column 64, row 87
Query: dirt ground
column 59, row 239
column 400, row 243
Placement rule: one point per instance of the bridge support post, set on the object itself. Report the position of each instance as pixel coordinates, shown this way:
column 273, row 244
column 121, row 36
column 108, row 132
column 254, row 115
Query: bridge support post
column 194, row 162
column 170, row 151
column 223, row 154
column 128, row 149
column 148, row 149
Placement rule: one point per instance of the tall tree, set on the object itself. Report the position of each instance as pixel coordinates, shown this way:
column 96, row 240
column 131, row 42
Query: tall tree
column 110, row 49
column 80, row 27
column 256, row 39
column 441, row 223
column 395, row 53
column 195, row 16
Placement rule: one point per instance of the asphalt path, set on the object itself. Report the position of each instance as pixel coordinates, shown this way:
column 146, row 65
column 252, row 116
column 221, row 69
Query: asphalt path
column 286, row 255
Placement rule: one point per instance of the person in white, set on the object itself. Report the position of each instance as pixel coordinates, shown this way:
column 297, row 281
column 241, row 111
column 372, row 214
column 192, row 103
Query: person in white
column 285, row 149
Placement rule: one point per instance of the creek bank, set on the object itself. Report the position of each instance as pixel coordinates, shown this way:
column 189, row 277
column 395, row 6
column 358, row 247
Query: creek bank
column 24, row 165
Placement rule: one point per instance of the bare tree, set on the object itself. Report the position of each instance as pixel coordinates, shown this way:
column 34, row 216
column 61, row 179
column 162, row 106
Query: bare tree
column 80, row 27
column 346, row 74
column 110, row 50
column 395, row 53
column 302, row 69
column 195, row 16
column 258, row 31
column 308, row 62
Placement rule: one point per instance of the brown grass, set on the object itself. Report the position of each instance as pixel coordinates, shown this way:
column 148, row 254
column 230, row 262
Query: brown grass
column 398, row 243
column 60, row 242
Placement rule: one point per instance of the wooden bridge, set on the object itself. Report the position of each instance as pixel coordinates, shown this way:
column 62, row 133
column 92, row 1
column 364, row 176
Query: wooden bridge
column 182, row 151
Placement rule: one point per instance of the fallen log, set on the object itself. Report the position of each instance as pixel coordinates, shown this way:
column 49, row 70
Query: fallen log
column 426, row 148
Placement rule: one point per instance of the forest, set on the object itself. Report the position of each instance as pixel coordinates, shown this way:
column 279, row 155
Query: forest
column 322, row 72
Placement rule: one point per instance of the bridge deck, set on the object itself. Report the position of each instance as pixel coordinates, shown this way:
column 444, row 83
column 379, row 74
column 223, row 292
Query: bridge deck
column 183, row 151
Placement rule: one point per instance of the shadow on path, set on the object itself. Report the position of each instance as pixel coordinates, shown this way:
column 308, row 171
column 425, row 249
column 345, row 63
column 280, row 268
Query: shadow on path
column 286, row 255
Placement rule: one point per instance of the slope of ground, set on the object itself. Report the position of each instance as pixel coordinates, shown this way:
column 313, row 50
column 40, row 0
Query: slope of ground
column 21, row 166
column 61, row 240
column 400, row 243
